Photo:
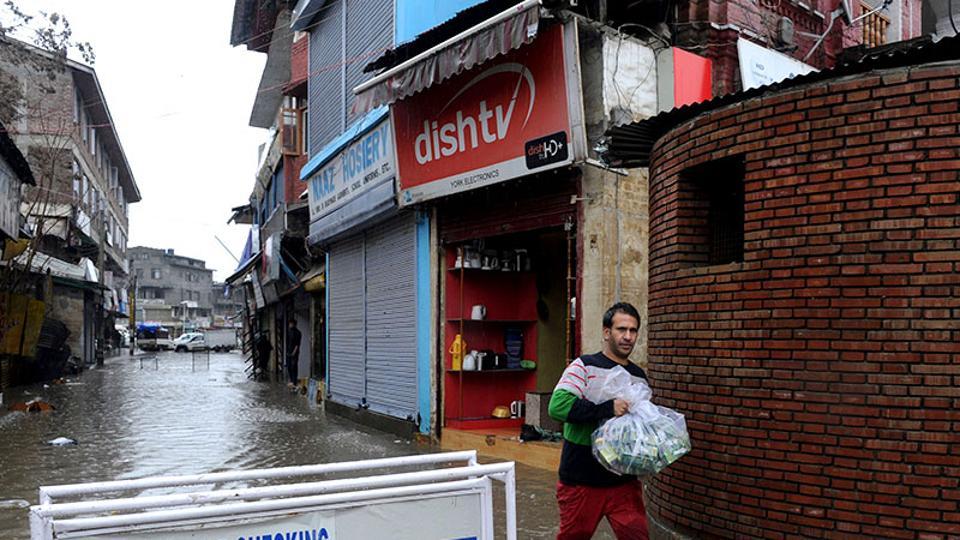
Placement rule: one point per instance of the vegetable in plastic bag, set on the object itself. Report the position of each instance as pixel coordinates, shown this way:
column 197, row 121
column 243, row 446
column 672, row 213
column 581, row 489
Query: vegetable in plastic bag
column 643, row 441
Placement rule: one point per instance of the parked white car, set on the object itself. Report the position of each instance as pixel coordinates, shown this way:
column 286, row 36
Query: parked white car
column 214, row 339
column 189, row 341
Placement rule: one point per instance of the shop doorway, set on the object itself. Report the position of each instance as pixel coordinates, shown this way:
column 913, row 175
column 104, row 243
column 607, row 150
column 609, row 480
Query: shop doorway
column 509, row 309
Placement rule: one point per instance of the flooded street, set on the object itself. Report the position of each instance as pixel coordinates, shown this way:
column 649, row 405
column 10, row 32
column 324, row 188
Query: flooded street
column 131, row 422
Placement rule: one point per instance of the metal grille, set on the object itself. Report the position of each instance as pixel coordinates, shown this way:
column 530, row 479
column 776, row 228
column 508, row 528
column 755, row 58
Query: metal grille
column 726, row 220
column 711, row 213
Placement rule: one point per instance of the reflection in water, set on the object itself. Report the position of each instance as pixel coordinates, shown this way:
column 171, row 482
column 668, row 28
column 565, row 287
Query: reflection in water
column 131, row 423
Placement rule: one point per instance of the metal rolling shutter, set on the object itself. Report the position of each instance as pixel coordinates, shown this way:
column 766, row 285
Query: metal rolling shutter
column 346, row 322
column 391, row 317
column 369, row 31
column 510, row 207
column 325, row 118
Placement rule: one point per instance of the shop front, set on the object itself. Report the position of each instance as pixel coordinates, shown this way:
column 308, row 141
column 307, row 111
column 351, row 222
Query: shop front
column 509, row 285
column 493, row 151
column 373, row 285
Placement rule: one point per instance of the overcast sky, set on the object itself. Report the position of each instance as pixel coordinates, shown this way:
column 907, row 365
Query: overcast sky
column 181, row 97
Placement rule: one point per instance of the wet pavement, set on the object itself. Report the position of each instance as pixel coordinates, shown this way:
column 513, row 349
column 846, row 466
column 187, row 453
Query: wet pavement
column 172, row 419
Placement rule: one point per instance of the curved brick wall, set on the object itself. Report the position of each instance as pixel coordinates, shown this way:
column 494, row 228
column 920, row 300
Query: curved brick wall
column 821, row 375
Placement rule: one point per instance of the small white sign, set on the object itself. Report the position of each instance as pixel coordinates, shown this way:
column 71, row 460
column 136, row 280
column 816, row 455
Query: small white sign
column 760, row 66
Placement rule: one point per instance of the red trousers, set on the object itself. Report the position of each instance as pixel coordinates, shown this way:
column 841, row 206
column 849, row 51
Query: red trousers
column 582, row 507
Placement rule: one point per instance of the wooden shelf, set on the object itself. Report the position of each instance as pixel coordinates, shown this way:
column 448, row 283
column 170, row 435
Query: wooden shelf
column 482, row 422
column 498, row 321
column 510, row 298
column 491, row 270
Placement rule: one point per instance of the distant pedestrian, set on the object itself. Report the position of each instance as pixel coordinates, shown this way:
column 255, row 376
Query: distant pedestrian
column 587, row 492
column 263, row 348
column 293, row 352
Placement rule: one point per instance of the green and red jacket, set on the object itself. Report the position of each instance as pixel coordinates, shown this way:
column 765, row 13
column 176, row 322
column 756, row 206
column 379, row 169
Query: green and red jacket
column 581, row 417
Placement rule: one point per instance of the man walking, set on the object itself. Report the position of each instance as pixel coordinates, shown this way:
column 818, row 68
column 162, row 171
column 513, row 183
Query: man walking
column 587, row 491
column 263, row 348
column 293, row 352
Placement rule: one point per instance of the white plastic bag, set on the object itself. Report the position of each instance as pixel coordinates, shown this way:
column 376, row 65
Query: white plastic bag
column 643, row 441
column 618, row 384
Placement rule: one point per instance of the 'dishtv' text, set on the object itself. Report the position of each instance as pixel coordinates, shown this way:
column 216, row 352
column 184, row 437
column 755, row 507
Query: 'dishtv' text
column 436, row 142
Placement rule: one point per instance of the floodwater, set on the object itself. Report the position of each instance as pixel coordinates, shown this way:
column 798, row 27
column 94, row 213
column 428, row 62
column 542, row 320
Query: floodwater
column 176, row 418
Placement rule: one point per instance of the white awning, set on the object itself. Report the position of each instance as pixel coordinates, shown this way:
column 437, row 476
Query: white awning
column 497, row 35
column 41, row 263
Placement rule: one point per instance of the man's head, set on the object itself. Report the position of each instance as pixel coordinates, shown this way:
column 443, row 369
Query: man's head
column 621, row 325
column 292, row 323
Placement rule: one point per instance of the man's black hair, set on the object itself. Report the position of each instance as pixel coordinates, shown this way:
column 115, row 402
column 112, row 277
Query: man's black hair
column 620, row 307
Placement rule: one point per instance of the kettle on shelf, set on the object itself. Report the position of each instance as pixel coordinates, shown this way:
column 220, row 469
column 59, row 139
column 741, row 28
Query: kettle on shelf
column 478, row 312
column 470, row 361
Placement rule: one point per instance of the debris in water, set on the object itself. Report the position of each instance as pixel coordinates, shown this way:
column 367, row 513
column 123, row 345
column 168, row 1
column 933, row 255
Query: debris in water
column 62, row 441
column 14, row 503
column 34, row 405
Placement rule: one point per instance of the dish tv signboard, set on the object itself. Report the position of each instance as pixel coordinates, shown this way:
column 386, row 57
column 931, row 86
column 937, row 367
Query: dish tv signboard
column 507, row 118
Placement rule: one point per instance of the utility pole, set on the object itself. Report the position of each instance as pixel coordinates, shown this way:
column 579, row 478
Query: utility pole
column 101, row 266
column 132, row 301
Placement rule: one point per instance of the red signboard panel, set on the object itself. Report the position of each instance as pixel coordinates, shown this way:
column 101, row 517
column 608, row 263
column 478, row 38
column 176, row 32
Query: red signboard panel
column 503, row 119
column 692, row 78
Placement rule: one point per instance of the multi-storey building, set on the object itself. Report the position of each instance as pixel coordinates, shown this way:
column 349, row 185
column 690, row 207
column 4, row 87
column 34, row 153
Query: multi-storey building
column 276, row 210
column 78, row 208
column 227, row 305
column 171, row 289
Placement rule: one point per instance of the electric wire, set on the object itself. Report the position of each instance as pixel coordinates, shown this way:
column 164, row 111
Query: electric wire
column 950, row 12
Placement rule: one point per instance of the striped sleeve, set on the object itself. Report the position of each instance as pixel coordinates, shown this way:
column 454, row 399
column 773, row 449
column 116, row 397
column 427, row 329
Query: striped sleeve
column 568, row 404
column 574, row 379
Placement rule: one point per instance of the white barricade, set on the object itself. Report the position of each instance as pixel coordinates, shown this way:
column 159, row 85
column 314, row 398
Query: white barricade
column 433, row 502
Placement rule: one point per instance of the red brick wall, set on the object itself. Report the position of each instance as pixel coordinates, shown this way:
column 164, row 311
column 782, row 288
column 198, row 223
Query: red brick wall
column 821, row 376
column 293, row 187
column 299, row 60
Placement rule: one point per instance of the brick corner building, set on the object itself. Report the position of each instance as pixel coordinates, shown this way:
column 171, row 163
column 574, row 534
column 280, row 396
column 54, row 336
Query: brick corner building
column 804, row 305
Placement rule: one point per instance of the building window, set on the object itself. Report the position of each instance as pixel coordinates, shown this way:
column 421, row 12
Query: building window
column 279, row 193
column 305, row 117
column 291, row 127
column 77, row 106
column 76, row 181
column 155, row 273
column 711, row 212
column 875, row 26
column 84, row 129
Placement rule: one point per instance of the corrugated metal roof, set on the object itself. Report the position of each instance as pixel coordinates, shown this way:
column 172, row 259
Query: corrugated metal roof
column 629, row 145
column 460, row 22
column 41, row 263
